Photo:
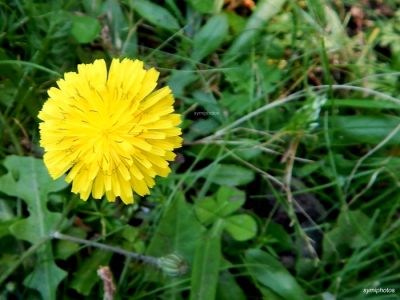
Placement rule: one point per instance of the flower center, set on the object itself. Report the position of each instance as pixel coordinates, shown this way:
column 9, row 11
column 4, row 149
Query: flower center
column 105, row 132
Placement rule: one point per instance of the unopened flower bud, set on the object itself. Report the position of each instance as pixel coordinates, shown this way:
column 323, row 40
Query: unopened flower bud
column 173, row 265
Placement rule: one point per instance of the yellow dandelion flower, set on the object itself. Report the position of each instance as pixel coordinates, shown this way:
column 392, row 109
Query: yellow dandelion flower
column 112, row 133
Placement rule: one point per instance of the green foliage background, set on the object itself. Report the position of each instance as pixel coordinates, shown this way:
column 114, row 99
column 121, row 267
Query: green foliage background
column 287, row 186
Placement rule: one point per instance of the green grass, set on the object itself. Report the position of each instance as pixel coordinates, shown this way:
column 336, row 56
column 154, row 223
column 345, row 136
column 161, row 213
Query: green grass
column 287, row 186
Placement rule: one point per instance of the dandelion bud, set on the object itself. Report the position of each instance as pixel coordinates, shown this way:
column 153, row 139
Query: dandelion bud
column 173, row 265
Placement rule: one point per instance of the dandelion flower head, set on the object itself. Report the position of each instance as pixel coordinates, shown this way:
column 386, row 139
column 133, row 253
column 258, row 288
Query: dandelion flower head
column 111, row 132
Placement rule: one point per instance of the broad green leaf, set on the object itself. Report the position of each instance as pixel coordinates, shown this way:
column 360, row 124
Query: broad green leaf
column 210, row 37
column 177, row 232
column 241, row 227
column 226, row 201
column 229, row 199
column 155, row 14
column 6, row 212
column 265, row 10
column 308, row 169
column 269, row 294
column 28, row 179
column 269, row 272
column 85, row 29
column 5, row 227
column 277, row 235
column 207, row 210
column 93, row 7
column 7, row 262
column 173, row 6
column 46, row 276
column 206, row 264
column 207, row 6
column 236, row 22
column 305, row 267
column 352, row 231
column 231, row 175
column 86, row 276
column 7, row 219
column 218, row 208
column 228, row 288
column 363, row 129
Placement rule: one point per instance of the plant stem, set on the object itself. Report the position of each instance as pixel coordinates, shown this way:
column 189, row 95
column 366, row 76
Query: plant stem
column 143, row 258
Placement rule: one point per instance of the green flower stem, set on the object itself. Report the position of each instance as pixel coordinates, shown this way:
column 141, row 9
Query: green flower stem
column 150, row 260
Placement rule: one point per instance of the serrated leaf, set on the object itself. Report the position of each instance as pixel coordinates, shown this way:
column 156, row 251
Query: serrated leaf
column 155, row 14
column 28, row 179
column 210, row 37
column 6, row 212
column 85, row 29
column 46, row 276
column 5, row 227
column 241, row 227
column 269, row 272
